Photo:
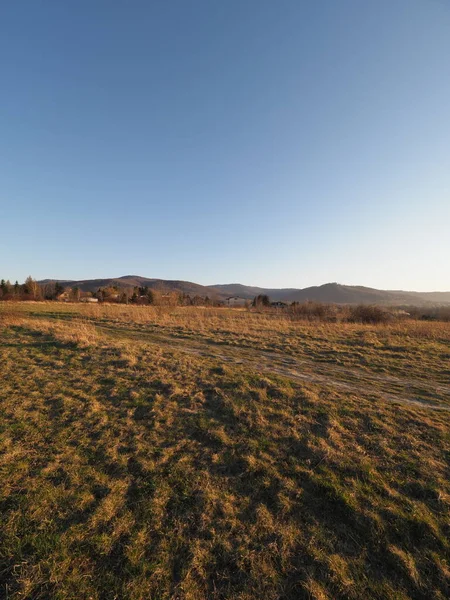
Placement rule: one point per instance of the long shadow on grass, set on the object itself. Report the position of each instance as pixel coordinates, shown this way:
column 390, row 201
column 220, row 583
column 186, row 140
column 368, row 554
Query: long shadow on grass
column 319, row 498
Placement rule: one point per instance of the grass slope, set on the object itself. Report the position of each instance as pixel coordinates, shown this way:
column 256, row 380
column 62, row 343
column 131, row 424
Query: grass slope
column 132, row 469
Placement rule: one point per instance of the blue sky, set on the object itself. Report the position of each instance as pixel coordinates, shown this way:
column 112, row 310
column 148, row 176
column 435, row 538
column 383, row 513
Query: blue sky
column 280, row 144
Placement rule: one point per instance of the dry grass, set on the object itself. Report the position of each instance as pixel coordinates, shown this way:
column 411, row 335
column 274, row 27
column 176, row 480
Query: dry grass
column 80, row 332
column 407, row 348
column 132, row 470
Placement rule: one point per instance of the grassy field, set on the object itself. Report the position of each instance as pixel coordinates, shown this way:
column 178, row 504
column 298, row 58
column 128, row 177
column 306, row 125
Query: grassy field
column 190, row 454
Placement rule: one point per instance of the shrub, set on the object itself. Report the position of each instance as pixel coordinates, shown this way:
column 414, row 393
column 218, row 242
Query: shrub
column 261, row 300
column 369, row 313
column 313, row 311
column 433, row 313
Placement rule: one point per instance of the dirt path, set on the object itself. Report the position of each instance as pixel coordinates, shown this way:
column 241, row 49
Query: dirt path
column 390, row 388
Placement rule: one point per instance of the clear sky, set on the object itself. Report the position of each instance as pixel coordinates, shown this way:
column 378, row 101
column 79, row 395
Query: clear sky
column 275, row 143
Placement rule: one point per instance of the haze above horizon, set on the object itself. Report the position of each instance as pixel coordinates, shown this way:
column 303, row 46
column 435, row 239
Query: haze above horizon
column 281, row 144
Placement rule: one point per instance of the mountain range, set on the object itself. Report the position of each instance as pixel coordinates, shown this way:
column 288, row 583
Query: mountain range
column 329, row 292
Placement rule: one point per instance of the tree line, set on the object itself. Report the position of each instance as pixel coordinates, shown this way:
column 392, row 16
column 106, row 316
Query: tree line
column 32, row 290
column 29, row 290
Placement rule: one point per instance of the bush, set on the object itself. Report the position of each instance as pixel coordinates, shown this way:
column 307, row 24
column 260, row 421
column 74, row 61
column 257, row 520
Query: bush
column 369, row 313
column 433, row 313
column 313, row 311
column 261, row 300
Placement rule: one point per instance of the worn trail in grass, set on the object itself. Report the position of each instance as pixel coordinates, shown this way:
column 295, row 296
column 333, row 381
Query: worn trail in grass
column 390, row 388
column 394, row 370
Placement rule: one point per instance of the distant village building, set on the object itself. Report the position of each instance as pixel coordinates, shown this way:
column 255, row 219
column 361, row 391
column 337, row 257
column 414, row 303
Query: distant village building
column 236, row 301
column 65, row 295
column 399, row 312
column 70, row 295
column 279, row 304
column 112, row 298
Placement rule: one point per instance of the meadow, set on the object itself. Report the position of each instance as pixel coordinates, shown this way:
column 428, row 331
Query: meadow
column 176, row 453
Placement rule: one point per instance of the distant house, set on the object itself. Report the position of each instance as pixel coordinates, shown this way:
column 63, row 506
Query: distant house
column 88, row 299
column 279, row 304
column 65, row 295
column 399, row 312
column 236, row 301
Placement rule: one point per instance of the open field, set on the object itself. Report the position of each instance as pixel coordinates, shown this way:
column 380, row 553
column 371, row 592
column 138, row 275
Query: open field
column 188, row 453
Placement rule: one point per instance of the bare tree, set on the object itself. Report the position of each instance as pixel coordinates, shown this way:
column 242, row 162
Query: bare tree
column 32, row 289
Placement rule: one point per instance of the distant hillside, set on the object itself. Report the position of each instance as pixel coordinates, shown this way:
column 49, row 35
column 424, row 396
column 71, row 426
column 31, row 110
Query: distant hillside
column 434, row 297
column 329, row 292
column 339, row 294
column 249, row 292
